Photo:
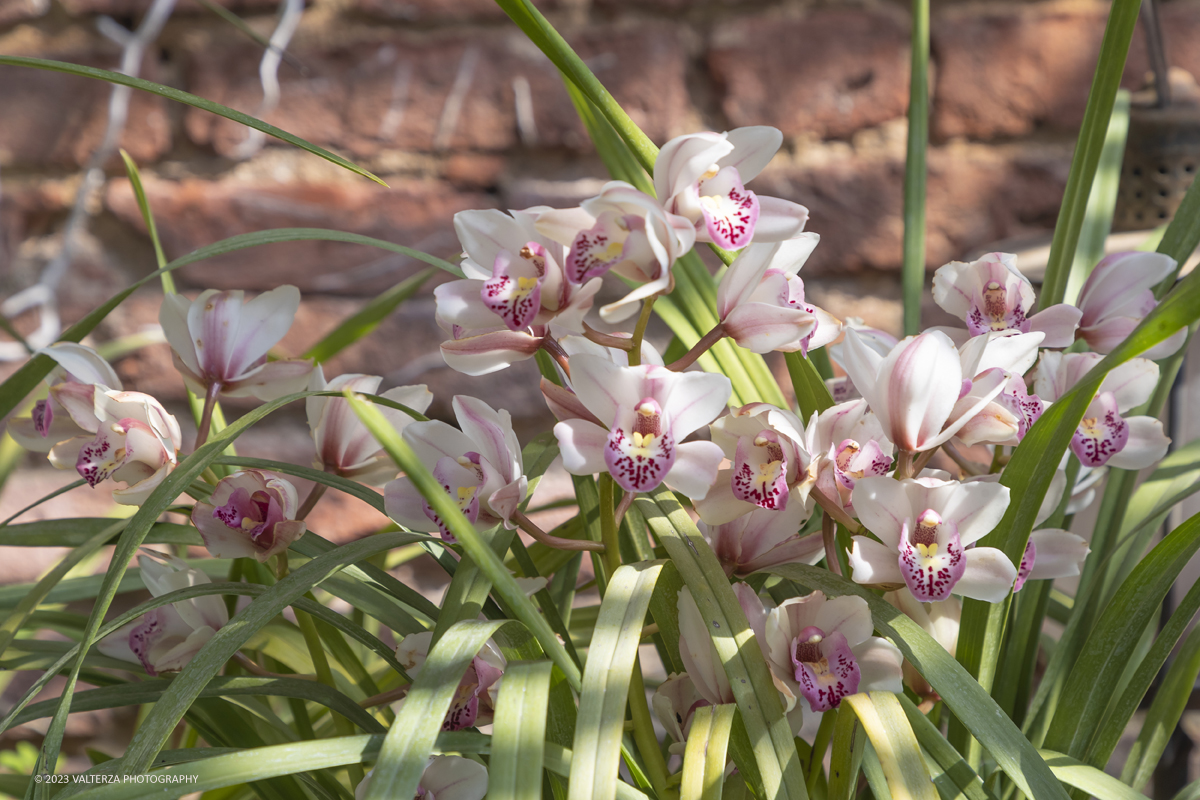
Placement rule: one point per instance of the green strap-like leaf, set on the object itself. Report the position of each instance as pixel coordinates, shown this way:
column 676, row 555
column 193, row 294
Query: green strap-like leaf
column 405, row 751
column 956, row 772
column 895, row 744
column 519, row 732
column 812, row 395
column 189, row 99
column 845, row 760
column 965, row 697
column 610, row 661
column 705, row 756
column 1091, row 781
column 749, row 677
column 75, row 532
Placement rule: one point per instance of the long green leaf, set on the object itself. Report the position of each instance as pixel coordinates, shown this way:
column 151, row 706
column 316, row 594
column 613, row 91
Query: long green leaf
column 519, row 732
column 610, row 661
column 845, row 761
column 76, row 531
column 895, row 743
column 954, row 767
column 1087, row 778
column 749, row 677
column 367, row 319
column 189, row 99
column 965, row 697
column 705, row 755
column 406, row 748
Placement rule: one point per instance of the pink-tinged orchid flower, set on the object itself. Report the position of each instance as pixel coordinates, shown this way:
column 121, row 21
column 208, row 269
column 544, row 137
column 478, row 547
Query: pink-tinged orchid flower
column 649, row 410
column 251, row 514
column 940, row 619
column 444, row 778
column 562, row 400
column 623, row 230
column 822, row 650
column 991, row 294
column 127, row 436
column 221, row 340
column 763, row 538
column 697, row 651
column 344, row 446
column 675, row 703
column 1009, row 416
column 926, row 528
column 1051, row 553
column 479, row 466
column 848, row 444
column 78, row 371
column 760, row 300
column 915, row 390
column 701, row 176
column 1105, row 436
column 167, row 638
column 515, row 290
column 1117, row 295
column 475, row 700
column 842, row 388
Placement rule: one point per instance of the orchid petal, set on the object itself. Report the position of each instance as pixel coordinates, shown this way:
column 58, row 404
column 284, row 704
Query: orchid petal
column 695, row 468
column 489, row 352
column 988, row 576
column 1058, row 322
column 582, row 445
column 874, row 564
column 1146, row 444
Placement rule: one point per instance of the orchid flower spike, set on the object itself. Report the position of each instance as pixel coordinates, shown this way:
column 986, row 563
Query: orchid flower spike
column 344, row 445
column 219, row 340
column 649, row 410
column 1118, row 294
column 623, row 230
column 702, row 176
column 926, row 528
column 941, row 619
column 991, row 294
column 251, row 514
column 167, row 638
column 78, row 371
column 761, row 303
column 474, row 701
column 1105, row 436
column 516, row 289
column 444, row 778
column 770, row 466
column 479, row 466
column 126, row 436
column 822, row 650
column 915, row 389
column 762, row 539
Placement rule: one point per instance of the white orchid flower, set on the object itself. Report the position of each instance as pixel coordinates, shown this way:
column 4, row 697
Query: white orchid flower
column 1105, row 436
column 760, row 300
column 822, row 650
column 474, row 702
column 78, row 370
column 763, row 538
column 848, row 444
column 926, row 528
column 167, row 638
column 1118, row 294
column 702, row 176
column 675, row 702
column 444, row 778
column 561, row 399
column 344, row 445
column 991, row 294
column 623, row 230
column 649, row 410
column 219, row 340
column 479, row 466
column 251, row 514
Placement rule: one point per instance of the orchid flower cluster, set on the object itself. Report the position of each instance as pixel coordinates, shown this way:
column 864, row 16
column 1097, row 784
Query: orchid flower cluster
column 853, row 485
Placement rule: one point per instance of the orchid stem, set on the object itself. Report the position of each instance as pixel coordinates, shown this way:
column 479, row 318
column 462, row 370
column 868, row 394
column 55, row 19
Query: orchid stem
column 700, row 348
column 904, row 465
column 639, row 332
column 254, row 669
column 312, row 639
column 622, row 507
column 608, row 526
column 310, row 502
column 390, row 696
column 607, row 339
column 829, row 537
column 551, row 346
column 922, row 460
column 557, row 542
column 968, row 466
column 832, row 509
column 210, row 402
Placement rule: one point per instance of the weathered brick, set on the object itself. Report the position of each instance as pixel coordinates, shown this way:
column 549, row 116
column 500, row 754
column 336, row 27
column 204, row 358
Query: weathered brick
column 194, row 213
column 1010, row 71
column 52, row 118
column 124, row 8
column 424, row 11
column 831, row 73
column 974, row 198
column 401, row 93
column 16, row 10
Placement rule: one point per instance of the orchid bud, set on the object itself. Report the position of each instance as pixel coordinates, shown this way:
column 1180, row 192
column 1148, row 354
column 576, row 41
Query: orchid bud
column 219, row 339
column 479, row 465
column 167, row 638
column 251, row 514
column 649, row 410
column 701, row 177
column 1117, row 295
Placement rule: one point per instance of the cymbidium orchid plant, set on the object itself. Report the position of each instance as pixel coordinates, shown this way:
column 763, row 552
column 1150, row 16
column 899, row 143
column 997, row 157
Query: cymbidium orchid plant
column 867, row 550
